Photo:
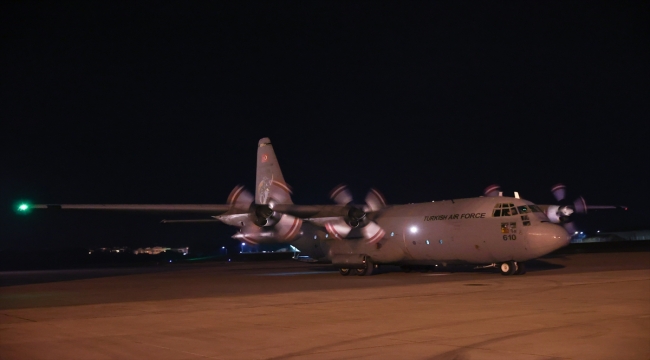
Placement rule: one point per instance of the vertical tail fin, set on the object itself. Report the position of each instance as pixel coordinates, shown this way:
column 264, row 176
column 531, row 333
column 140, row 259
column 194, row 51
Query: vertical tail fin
column 269, row 181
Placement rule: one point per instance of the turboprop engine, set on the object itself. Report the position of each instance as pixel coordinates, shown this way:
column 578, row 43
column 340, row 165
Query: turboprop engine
column 356, row 218
column 259, row 222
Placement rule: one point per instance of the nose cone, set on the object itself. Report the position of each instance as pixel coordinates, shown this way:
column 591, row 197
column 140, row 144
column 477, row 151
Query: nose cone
column 546, row 237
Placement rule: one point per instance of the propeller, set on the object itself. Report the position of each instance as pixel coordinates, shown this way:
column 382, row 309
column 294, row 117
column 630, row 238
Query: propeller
column 356, row 217
column 259, row 222
column 563, row 211
column 492, row 190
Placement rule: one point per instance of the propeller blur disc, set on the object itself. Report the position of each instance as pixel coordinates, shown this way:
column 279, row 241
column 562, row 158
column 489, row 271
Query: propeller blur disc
column 559, row 191
column 341, row 195
column 492, row 190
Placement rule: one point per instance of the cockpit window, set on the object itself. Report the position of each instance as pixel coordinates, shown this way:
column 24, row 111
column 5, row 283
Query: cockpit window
column 511, row 209
column 507, row 210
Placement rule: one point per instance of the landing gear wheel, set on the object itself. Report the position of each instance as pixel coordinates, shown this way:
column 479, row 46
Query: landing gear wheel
column 344, row 271
column 508, row 268
column 407, row 269
column 367, row 271
column 521, row 269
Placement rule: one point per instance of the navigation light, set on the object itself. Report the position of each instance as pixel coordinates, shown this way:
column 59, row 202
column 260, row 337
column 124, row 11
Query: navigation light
column 23, row 207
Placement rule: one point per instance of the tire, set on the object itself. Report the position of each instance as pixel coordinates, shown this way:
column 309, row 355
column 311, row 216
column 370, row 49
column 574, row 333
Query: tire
column 508, row 268
column 367, row 271
column 344, row 271
column 521, row 269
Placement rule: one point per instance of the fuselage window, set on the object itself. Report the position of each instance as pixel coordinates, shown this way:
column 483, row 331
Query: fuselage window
column 523, row 209
column 513, row 210
column 505, row 212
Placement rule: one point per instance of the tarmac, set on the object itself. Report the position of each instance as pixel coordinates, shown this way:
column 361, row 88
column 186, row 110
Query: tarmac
column 572, row 306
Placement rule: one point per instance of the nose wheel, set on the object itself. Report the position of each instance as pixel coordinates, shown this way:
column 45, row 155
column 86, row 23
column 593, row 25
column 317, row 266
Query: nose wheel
column 508, row 268
column 521, row 269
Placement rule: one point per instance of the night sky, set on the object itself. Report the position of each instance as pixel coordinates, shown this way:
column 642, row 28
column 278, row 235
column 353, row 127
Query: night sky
column 164, row 102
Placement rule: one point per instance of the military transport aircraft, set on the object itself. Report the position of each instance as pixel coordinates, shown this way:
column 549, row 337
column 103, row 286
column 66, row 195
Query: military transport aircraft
column 495, row 231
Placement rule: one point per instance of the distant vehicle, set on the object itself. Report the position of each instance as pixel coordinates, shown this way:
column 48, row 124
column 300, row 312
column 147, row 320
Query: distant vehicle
column 496, row 231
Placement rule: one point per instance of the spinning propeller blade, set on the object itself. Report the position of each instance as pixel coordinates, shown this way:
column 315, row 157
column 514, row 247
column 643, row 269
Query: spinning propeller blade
column 356, row 217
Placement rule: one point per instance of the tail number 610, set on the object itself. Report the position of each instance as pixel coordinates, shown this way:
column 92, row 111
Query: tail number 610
column 509, row 237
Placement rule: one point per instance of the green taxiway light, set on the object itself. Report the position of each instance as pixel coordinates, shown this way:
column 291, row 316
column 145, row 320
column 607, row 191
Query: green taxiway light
column 23, row 207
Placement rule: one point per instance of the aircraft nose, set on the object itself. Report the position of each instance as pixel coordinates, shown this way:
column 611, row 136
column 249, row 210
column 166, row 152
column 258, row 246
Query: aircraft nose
column 546, row 237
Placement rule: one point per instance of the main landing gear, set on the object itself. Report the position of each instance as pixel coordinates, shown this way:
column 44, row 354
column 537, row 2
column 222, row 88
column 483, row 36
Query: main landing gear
column 512, row 268
column 365, row 271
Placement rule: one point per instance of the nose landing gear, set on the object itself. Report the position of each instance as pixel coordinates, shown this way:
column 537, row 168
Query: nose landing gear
column 512, row 268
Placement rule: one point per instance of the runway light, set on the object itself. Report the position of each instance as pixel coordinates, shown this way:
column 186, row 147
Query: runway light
column 243, row 244
column 575, row 233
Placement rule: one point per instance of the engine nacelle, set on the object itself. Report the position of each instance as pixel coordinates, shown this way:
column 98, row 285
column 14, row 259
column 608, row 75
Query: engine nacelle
column 264, row 216
column 284, row 228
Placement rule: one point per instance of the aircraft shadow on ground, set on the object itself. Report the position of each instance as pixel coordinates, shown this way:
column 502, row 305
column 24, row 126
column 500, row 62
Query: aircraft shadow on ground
column 535, row 265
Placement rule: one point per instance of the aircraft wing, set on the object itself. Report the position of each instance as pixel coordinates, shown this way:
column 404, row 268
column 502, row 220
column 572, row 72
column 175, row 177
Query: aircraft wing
column 190, row 208
column 302, row 211
column 165, row 221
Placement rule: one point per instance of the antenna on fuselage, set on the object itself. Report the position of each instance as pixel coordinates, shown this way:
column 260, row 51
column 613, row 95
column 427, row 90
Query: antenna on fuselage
column 516, row 195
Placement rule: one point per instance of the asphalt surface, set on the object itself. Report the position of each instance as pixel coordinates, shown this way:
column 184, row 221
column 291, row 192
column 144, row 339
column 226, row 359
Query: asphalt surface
column 568, row 306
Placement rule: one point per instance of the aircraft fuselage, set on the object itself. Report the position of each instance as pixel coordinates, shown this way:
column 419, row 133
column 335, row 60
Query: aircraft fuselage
column 450, row 231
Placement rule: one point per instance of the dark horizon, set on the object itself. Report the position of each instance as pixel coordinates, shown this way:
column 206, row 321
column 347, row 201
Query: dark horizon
column 165, row 102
